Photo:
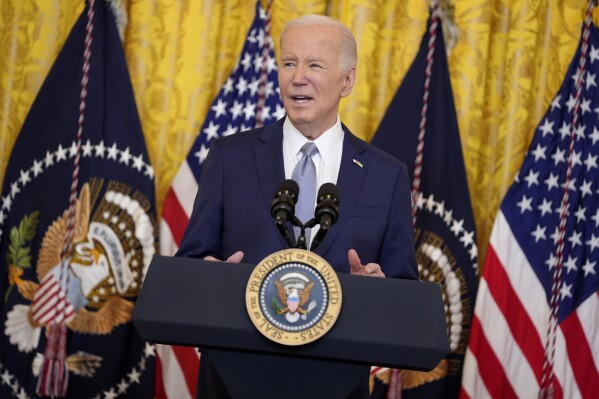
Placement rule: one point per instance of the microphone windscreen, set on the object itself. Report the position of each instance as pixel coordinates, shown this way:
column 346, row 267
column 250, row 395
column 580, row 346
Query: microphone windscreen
column 289, row 186
column 329, row 190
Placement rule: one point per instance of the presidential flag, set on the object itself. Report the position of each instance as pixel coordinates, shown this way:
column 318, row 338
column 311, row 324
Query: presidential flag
column 420, row 129
column 535, row 329
column 249, row 98
column 113, row 232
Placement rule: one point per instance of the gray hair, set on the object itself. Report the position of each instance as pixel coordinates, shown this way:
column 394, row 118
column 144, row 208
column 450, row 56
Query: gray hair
column 348, row 50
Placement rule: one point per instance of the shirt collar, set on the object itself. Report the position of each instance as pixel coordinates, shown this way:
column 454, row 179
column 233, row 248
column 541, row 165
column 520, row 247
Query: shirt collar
column 327, row 143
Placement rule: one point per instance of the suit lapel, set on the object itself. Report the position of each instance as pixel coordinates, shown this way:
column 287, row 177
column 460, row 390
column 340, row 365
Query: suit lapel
column 269, row 162
column 349, row 182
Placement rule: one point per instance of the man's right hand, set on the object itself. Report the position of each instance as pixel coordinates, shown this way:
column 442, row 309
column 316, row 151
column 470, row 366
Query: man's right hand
column 235, row 258
column 357, row 268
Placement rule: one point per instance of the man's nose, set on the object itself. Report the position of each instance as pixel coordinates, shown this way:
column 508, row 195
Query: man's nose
column 299, row 74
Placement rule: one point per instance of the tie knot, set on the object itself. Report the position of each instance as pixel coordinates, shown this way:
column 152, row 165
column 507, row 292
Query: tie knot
column 309, row 149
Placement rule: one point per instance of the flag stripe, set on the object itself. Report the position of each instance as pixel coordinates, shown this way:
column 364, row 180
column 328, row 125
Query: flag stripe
column 505, row 349
column 41, row 307
column 473, row 386
column 524, row 281
column 159, row 392
column 174, row 382
column 190, row 365
column 168, row 246
column 526, row 286
column 51, row 310
column 47, row 310
column 566, row 386
column 55, row 314
column 516, row 317
column 185, row 187
column 589, row 320
column 464, row 395
column 579, row 352
column 493, row 375
column 174, row 215
column 47, row 289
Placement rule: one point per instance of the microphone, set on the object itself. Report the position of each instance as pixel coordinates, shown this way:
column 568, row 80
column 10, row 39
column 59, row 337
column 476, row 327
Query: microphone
column 326, row 212
column 282, row 208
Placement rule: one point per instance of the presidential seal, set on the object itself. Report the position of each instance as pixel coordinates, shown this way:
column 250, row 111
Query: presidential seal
column 293, row 297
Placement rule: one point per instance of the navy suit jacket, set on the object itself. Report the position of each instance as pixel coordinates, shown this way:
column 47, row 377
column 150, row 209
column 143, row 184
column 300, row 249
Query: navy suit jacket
column 238, row 182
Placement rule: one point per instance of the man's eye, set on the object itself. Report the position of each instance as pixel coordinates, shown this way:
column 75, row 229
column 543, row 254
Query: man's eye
column 315, row 66
column 288, row 64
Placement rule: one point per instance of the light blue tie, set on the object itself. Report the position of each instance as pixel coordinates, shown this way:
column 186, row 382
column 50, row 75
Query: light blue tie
column 305, row 176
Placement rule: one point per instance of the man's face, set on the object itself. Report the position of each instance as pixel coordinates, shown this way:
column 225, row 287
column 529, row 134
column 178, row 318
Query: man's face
column 311, row 79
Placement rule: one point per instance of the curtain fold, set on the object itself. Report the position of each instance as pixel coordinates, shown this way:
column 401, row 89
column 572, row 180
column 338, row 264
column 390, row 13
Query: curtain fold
column 508, row 61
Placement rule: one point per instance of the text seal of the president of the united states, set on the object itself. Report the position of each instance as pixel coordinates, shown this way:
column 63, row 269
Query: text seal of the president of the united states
column 293, row 297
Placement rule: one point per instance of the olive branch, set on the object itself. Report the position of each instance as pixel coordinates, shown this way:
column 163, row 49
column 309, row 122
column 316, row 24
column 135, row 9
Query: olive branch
column 19, row 255
column 274, row 305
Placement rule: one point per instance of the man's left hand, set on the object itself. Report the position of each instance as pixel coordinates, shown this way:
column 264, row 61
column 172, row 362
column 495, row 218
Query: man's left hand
column 357, row 268
column 235, row 258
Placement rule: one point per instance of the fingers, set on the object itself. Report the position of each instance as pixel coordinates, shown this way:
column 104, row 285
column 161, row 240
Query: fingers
column 374, row 270
column 235, row 258
column 356, row 267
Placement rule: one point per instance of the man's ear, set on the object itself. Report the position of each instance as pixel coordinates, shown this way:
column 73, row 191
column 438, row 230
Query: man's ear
column 348, row 82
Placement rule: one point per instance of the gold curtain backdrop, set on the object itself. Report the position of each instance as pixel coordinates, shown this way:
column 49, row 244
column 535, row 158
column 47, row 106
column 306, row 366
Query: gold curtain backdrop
column 508, row 60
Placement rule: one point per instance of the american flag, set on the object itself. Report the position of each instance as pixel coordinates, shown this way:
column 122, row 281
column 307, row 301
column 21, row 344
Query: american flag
column 513, row 351
column 249, row 98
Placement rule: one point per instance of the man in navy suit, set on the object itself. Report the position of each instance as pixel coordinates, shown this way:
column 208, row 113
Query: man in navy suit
column 231, row 218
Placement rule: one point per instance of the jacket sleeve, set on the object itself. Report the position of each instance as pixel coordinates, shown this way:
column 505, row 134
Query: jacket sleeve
column 397, row 253
column 203, row 235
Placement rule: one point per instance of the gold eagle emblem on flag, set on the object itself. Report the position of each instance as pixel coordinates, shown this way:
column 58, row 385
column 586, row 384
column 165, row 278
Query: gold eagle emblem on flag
column 113, row 247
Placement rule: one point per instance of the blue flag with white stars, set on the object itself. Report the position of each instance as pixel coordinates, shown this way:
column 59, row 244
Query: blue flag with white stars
column 115, row 230
column 446, row 248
